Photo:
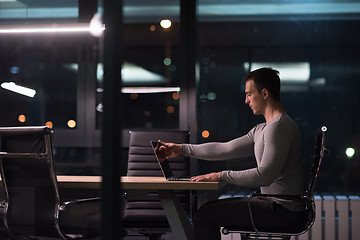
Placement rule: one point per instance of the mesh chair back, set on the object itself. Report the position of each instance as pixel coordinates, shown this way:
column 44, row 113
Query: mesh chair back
column 29, row 180
column 146, row 210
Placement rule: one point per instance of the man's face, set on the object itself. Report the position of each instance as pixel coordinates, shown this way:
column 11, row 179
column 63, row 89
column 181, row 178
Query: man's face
column 253, row 98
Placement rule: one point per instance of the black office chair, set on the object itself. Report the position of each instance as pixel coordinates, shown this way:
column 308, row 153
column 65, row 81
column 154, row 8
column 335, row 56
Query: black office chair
column 31, row 207
column 144, row 213
column 257, row 232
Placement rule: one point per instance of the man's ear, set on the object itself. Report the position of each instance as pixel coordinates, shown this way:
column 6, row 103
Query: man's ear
column 265, row 93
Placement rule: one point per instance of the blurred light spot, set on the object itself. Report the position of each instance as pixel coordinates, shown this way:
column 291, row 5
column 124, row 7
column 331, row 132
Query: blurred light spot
column 176, row 96
column 203, row 98
column 14, row 70
column 96, row 26
column 133, row 96
column 49, row 124
column 211, row 96
column 22, row 118
column 71, row 123
column 247, row 66
column 100, row 107
column 205, row 134
column 165, row 23
column 350, row 152
column 152, row 28
column 167, row 61
column 170, row 109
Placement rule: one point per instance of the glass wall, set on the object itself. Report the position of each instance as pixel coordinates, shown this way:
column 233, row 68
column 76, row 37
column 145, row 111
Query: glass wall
column 64, row 72
column 150, row 73
column 57, row 69
column 315, row 46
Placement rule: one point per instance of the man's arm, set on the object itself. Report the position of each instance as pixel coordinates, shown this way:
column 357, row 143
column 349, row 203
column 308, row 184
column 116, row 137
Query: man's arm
column 237, row 148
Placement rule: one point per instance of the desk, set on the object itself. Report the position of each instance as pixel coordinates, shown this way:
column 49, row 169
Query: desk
column 178, row 221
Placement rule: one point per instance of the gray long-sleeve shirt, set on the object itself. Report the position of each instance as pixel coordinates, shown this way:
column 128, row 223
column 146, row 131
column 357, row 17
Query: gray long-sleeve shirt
column 277, row 149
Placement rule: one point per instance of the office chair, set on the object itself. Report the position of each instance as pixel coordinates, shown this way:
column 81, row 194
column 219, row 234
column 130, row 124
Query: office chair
column 256, row 231
column 144, row 213
column 31, row 207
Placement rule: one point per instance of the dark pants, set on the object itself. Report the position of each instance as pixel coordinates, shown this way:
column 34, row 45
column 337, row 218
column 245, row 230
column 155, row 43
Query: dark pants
column 235, row 212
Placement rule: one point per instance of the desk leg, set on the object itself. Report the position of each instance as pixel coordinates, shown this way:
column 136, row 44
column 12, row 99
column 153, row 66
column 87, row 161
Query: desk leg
column 179, row 222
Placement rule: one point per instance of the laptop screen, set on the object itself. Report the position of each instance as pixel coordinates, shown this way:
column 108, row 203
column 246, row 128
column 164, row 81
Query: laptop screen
column 164, row 165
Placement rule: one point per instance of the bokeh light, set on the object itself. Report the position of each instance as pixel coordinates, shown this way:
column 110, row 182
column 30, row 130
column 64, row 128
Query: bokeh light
column 205, row 134
column 350, row 152
column 71, row 123
column 49, row 124
column 170, row 109
column 176, row 96
column 165, row 23
column 22, row 118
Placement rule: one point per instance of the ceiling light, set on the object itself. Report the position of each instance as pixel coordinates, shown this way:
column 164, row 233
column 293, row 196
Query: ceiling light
column 292, row 72
column 54, row 28
column 149, row 89
column 11, row 86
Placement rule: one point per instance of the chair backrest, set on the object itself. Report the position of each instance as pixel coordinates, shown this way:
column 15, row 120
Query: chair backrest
column 142, row 161
column 146, row 210
column 29, row 179
column 319, row 153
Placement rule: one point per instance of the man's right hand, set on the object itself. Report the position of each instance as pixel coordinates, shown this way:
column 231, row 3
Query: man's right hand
column 168, row 150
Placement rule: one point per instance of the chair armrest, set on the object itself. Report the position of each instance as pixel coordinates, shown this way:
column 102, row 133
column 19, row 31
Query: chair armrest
column 78, row 202
column 23, row 155
column 286, row 197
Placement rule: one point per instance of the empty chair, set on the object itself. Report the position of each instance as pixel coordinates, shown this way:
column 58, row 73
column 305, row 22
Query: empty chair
column 144, row 213
column 257, row 231
column 31, row 206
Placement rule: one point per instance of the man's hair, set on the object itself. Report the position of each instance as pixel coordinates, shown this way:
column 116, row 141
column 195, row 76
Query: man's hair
column 266, row 78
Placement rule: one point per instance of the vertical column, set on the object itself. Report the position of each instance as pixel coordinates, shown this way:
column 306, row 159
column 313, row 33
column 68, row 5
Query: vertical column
column 111, row 134
column 342, row 209
column 355, row 217
column 188, row 23
column 188, row 40
column 329, row 211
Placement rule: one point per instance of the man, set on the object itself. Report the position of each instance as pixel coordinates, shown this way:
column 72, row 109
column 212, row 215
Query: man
column 276, row 145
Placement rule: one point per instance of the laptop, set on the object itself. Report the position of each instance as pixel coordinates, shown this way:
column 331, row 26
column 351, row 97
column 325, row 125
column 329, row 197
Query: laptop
column 165, row 167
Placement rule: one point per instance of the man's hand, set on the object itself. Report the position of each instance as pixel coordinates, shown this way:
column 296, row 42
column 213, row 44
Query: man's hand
column 210, row 177
column 168, row 150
